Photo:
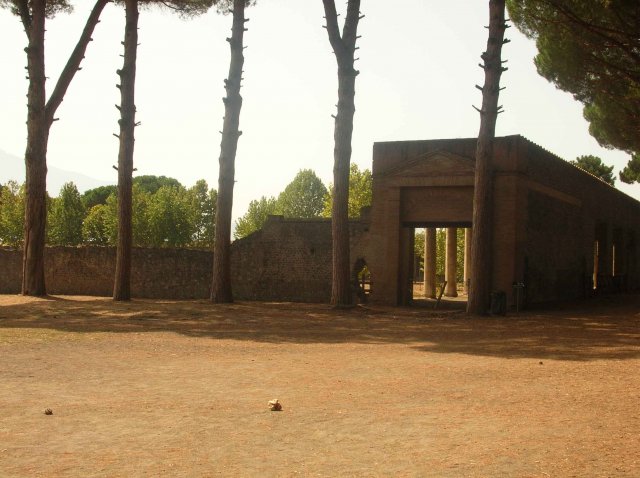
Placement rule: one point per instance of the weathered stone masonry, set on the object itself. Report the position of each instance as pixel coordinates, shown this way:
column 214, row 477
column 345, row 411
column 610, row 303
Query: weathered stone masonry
column 288, row 260
column 156, row 273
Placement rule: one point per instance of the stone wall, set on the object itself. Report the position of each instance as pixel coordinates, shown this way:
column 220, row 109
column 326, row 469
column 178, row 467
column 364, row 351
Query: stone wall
column 568, row 211
column 10, row 271
column 284, row 261
column 288, row 260
column 555, row 263
column 156, row 273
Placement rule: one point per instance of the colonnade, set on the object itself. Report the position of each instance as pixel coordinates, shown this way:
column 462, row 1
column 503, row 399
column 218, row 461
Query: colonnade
column 451, row 289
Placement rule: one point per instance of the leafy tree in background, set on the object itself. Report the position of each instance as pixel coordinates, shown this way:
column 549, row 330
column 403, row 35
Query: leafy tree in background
column 418, row 248
column 203, row 213
column 595, row 166
column 360, row 192
column 11, row 214
column 151, row 184
column 591, row 50
column 170, row 217
column 255, row 217
column 303, row 197
column 344, row 48
column 100, row 226
column 418, row 244
column 147, row 183
column 95, row 227
column 631, row 172
column 141, row 221
column 99, row 195
column 66, row 216
column 40, row 117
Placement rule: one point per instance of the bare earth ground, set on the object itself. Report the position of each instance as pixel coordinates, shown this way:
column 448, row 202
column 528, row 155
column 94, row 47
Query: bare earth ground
column 166, row 388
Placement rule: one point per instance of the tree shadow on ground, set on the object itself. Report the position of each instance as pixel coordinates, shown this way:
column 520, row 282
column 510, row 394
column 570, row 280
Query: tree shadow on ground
column 599, row 329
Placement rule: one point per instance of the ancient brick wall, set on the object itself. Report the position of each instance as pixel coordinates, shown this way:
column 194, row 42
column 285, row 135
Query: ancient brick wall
column 568, row 210
column 156, row 273
column 555, row 263
column 286, row 260
column 10, row 271
column 289, row 260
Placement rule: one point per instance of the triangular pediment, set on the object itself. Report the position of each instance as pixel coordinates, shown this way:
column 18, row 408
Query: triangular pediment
column 435, row 163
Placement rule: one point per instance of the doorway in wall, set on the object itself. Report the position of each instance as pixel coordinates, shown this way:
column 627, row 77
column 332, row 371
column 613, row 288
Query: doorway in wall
column 435, row 264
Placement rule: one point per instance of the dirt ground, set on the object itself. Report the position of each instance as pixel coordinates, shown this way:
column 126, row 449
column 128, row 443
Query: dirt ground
column 170, row 388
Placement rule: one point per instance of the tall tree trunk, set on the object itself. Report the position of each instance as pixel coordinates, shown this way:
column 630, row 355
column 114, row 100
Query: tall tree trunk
column 39, row 120
column 221, row 286
column 344, row 47
column 481, row 242
column 35, row 155
column 122, row 285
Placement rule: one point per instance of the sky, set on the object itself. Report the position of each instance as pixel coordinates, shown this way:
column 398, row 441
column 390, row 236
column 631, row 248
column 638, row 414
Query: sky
column 418, row 63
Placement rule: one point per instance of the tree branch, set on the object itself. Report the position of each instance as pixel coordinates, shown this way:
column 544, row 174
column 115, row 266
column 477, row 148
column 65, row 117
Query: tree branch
column 332, row 28
column 25, row 15
column 350, row 30
column 74, row 61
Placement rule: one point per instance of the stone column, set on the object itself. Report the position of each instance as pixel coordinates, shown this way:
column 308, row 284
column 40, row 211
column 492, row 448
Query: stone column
column 430, row 263
column 451, row 290
column 467, row 258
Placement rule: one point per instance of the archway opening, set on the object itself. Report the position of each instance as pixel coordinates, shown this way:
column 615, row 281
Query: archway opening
column 439, row 265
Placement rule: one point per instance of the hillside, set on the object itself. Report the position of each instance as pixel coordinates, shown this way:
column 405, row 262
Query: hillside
column 12, row 168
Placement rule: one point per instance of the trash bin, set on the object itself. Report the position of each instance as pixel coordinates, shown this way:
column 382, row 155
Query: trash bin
column 498, row 303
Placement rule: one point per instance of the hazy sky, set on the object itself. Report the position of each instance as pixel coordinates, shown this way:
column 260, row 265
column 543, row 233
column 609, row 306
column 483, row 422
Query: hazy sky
column 418, row 62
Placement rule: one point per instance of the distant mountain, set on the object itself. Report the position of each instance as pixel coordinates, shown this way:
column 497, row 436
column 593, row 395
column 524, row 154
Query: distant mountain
column 12, row 167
